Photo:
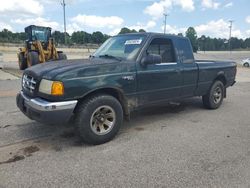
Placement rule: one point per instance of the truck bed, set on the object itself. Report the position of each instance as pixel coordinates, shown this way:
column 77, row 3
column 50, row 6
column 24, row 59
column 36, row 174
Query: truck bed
column 212, row 69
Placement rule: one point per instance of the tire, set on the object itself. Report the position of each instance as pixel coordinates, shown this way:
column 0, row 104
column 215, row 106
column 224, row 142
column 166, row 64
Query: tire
column 246, row 64
column 62, row 56
column 32, row 58
column 22, row 61
column 214, row 98
column 91, row 116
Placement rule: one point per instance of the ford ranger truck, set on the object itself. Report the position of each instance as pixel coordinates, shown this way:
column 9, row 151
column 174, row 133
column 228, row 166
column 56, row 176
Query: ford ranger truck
column 126, row 73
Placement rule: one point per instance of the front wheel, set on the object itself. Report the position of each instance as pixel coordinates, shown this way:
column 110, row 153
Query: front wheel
column 33, row 58
column 214, row 98
column 99, row 118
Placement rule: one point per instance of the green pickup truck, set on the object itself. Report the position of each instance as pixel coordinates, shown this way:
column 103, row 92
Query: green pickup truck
column 126, row 73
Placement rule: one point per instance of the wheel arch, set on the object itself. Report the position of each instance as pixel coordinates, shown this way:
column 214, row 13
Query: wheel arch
column 246, row 64
column 221, row 77
column 115, row 92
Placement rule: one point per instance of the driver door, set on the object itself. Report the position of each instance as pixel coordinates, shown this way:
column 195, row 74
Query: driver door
column 159, row 82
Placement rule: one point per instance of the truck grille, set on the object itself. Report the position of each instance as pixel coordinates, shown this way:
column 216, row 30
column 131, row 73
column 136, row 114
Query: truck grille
column 28, row 83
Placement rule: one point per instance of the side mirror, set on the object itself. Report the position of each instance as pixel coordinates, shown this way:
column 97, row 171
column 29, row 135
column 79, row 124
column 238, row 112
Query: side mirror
column 151, row 59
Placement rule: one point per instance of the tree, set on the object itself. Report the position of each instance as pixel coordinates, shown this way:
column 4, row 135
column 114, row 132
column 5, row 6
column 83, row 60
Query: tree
column 58, row 36
column 142, row 31
column 125, row 30
column 81, row 37
column 192, row 35
column 98, row 37
column 246, row 43
column 6, row 35
column 236, row 43
column 106, row 37
column 78, row 37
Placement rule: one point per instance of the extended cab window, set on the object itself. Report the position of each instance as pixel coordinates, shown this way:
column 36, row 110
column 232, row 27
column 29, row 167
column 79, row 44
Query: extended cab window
column 162, row 47
column 185, row 51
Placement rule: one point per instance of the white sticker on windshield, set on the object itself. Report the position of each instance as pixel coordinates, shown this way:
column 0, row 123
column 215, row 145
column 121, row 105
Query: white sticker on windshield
column 135, row 41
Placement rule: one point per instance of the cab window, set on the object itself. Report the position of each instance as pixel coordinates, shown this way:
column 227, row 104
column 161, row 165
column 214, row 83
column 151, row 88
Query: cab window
column 164, row 48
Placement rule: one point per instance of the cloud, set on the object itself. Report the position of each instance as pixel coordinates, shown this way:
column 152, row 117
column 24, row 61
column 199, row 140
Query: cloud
column 5, row 26
column 114, row 31
column 174, row 29
column 73, row 27
column 148, row 25
column 157, row 9
column 218, row 28
column 214, row 28
column 210, row 4
column 248, row 19
column 93, row 21
column 37, row 21
column 230, row 4
column 23, row 8
column 58, row 2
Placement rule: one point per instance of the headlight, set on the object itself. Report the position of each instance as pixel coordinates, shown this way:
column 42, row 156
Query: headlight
column 51, row 87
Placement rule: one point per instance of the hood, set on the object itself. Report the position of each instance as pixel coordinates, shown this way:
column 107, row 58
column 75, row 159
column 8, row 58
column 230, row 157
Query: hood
column 53, row 68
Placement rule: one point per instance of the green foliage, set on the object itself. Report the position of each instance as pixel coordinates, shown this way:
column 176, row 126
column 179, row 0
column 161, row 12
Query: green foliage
column 180, row 34
column 78, row 37
column 125, row 30
column 82, row 37
column 142, row 31
column 97, row 37
column 8, row 36
column 58, row 36
column 192, row 35
column 215, row 44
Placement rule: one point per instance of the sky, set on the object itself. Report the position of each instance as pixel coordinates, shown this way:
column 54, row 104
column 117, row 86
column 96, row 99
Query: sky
column 208, row 17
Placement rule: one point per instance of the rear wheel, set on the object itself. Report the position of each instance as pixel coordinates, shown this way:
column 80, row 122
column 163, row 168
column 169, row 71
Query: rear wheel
column 246, row 64
column 99, row 119
column 62, row 56
column 214, row 98
column 32, row 58
column 22, row 61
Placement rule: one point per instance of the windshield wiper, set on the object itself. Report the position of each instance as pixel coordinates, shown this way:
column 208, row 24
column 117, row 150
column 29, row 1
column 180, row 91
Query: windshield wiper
column 110, row 56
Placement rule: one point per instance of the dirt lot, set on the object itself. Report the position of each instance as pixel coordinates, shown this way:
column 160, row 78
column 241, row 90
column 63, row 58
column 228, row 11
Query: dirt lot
column 170, row 146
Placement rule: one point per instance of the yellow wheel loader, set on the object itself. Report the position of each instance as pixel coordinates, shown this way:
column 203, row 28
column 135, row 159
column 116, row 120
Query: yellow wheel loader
column 39, row 47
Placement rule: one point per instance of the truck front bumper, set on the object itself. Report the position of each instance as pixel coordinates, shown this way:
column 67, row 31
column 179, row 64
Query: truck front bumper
column 44, row 111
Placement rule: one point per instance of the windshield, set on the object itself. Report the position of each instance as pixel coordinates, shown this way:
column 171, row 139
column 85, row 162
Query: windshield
column 40, row 34
column 122, row 47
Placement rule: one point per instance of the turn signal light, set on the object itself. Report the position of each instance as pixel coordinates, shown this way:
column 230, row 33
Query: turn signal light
column 57, row 88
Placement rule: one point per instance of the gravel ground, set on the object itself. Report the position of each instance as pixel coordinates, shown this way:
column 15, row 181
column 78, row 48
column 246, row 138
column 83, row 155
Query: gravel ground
column 170, row 146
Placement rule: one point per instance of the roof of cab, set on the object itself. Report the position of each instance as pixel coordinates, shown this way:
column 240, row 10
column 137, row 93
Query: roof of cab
column 152, row 34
